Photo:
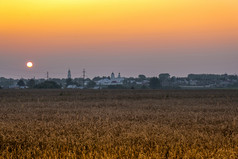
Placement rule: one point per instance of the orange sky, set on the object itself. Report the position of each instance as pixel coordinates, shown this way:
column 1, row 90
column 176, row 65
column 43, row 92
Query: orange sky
column 117, row 27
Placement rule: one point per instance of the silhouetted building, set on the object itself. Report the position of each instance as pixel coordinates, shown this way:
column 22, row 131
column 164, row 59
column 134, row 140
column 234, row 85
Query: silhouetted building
column 112, row 76
column 113, row 81
column 69, row 73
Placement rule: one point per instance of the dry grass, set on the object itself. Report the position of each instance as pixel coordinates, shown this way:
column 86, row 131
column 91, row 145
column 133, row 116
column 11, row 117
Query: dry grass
column 118, row 124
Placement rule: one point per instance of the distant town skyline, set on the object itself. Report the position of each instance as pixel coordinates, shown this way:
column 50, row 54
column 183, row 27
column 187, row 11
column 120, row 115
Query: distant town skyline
column 68, row 73
column 131, row 37
column 162, row 81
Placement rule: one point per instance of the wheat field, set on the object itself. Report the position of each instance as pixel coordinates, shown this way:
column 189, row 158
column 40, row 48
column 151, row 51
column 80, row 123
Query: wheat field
column 118, row 124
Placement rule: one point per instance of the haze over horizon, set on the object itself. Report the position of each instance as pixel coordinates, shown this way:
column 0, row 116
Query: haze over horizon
column 131, row 37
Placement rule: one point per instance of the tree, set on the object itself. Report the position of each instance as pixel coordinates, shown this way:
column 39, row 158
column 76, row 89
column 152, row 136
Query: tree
column 21, row 83
column 69, row 81
column 164, row 76
column 173, row 79
column 91, row 84
column 155, row 83
column 48, row 85
column 144, row 87
column 142, row 77
column 31, row 83
column 97, row 78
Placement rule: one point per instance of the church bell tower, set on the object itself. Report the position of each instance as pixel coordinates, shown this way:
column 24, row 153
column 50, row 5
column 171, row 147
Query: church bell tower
column 69, row 74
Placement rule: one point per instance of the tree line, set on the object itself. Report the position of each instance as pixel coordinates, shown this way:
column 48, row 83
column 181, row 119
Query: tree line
column 153, row 84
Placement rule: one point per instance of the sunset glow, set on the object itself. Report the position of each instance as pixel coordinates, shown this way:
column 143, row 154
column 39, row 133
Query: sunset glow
column 122, row 30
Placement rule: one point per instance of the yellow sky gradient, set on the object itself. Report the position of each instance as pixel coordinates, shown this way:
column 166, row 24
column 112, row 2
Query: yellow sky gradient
column 117, row 17
column 149, row 29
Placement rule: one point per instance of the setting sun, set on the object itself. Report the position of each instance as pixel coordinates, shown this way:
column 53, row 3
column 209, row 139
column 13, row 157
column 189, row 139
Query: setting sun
column 29, row 64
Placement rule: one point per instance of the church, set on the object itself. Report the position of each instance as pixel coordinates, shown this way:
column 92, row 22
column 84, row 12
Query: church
column 112, row 81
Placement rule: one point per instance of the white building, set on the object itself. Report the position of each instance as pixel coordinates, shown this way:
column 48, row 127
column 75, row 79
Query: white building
column 113, row 81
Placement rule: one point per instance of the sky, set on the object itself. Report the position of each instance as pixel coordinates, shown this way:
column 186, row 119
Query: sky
column 131, row 37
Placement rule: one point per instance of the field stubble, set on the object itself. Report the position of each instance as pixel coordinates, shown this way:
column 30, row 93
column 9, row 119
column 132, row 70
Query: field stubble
column 118, row 124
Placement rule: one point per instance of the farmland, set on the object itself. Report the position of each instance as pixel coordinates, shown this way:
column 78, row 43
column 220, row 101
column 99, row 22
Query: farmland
column 118, row 124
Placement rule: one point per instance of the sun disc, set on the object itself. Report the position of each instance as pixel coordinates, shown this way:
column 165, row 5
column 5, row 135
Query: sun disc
column 29, row 64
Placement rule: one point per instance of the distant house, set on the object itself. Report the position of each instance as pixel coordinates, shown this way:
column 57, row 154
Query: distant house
column 193, row 82
column 14, row 86
column 72, row 87
column 23, row 87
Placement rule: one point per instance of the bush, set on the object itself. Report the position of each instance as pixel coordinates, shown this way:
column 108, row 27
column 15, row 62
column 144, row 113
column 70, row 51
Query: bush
column 21, row 83
column 48, row 85
column 155, row 83
column 91, row 84
column 31, row 83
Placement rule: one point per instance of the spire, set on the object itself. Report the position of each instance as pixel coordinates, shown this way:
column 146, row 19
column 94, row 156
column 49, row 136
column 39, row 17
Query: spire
column 112, row 76
column 69, row 73
column 119, row 75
